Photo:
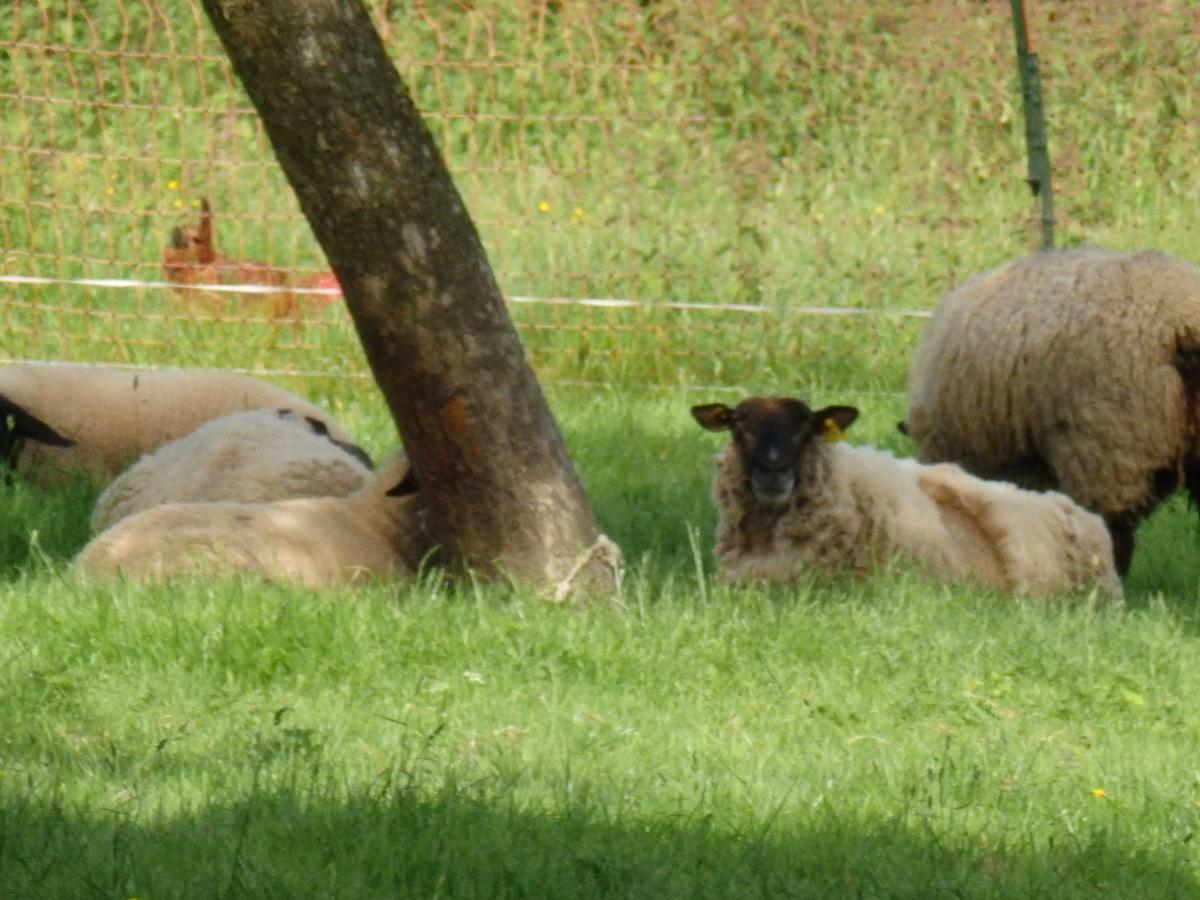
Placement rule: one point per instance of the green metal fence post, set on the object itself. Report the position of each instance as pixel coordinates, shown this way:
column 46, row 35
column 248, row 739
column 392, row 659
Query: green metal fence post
column 1035, row 123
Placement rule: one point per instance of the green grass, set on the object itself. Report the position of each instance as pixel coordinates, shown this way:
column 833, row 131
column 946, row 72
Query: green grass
column 875, row 737
column 877, row 740
column 878, row 737
column 777, row 154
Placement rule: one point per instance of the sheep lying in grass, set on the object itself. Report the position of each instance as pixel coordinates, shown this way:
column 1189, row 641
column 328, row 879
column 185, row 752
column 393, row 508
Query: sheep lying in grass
column 789, row 499
column 1075, row 370
column 378, row 530
column 63, row 417
column 251, row 457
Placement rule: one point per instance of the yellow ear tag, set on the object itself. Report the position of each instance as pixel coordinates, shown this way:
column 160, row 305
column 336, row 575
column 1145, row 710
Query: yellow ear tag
column 830, row 431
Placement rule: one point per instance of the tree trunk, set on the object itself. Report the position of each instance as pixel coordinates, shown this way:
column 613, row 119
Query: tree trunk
column 501, row 491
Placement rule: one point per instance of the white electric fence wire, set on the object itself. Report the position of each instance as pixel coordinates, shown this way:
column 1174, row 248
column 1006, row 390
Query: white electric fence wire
column 602, row 302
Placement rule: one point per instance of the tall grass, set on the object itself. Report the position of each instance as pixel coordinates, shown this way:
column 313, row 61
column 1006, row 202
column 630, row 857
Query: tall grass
column 882, row 740
column 882, row 736
column 775, row 154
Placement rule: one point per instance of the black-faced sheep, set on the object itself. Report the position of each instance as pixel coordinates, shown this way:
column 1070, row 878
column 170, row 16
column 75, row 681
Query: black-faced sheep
column 790, row 499
column 63, row 417
column 252, row 457
column 379, row 530
column 1077, row 370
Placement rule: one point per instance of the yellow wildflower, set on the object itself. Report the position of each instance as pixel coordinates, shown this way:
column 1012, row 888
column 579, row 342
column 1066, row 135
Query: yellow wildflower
column 543, row 206
column 1098, row 793
column 172, row 184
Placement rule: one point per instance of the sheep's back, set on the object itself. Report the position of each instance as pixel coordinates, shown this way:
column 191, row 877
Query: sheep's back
column 114, row 415
column 894, row 516
column 1057, row 370
column 1039, row 542
column 314, row 542
column 252, row 457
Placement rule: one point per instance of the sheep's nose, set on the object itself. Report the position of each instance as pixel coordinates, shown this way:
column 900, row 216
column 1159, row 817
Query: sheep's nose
column 772, row 488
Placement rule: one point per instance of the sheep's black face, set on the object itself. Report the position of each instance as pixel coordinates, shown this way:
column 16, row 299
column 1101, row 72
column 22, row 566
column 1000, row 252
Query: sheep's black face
column 771, row 435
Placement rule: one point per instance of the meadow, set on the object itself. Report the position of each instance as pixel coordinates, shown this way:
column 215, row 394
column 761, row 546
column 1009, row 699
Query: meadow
column 882, row 736
column 870, row 737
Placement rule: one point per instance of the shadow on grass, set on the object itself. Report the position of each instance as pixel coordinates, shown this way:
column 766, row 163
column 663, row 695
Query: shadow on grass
column 1166, row 561
column 42, row 524
column 297, row 843
column 647, row 468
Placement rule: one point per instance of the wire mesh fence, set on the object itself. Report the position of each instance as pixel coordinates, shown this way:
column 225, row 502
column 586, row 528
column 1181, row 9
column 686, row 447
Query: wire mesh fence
column 709, row 191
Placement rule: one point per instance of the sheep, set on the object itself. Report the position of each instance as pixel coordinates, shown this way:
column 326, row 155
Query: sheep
column 314, row 542
column 789, row 499
column 252, row 457
column 63, row 417
column 1073, row 370
column 191, row 258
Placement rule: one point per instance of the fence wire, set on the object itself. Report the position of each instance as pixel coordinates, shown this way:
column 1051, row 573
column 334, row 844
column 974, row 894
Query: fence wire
column 704, row 191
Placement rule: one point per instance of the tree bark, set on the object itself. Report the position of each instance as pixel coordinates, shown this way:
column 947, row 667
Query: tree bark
column 501, row 491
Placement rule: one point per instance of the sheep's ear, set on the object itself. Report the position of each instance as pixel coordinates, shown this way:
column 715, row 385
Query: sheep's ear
column 18, row 426
column 713, row 416
column 361, row 455
column 406, row 487
column 835, row 420
column 317, row 426
column 20, row 423
column 177, row 240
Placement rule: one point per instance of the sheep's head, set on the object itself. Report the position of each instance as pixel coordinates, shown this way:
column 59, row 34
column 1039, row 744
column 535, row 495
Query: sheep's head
column 17, row 425
column 771, row 435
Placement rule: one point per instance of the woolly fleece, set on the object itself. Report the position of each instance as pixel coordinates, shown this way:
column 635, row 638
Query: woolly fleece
column 314, row 542
column 855, row 508
column 1058, row 370
column 114, row 415
column 251, row 457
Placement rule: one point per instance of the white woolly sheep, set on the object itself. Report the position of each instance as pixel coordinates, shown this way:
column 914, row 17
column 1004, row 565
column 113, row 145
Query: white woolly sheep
column 314, row 541
column 1077, row 370
column 63, row 417
column 789, row 499
column 252, row 457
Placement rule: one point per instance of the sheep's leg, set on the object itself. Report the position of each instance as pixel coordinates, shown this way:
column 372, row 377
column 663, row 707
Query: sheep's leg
column 1191, row 478
column 1121, row 527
